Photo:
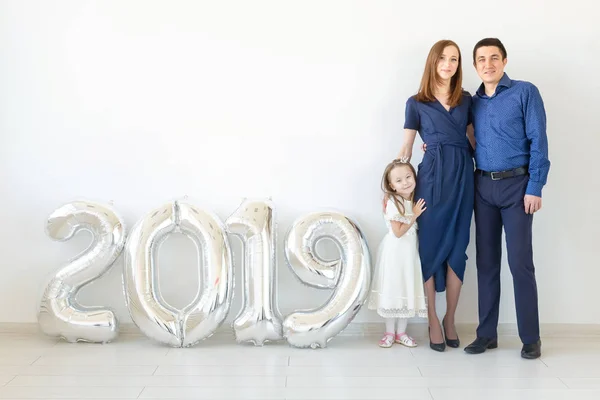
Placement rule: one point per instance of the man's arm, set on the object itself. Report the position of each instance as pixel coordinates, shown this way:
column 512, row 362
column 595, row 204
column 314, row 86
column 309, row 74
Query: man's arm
column 535, row 129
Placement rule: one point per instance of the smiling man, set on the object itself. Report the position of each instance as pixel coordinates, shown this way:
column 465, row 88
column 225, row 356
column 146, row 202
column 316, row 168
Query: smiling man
column 511, row 156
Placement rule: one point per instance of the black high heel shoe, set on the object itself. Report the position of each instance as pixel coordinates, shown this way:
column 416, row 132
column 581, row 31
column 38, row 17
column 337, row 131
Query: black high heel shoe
column 436, row 346
column 454, row 343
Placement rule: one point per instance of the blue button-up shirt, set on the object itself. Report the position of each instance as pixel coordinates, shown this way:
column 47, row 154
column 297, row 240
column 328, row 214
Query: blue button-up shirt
column 510, row 131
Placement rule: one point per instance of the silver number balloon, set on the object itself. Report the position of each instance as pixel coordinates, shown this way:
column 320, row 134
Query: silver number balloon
column 349, row 276
column 259, row 320
column 155, row 318
column 59, row 314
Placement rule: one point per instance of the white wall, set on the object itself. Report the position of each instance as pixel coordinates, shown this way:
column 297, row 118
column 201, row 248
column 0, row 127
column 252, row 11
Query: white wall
column 140, row 102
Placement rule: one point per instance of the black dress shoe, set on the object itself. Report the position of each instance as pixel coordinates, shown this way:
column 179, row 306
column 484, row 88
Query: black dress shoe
column 436, row 346
column 454, row 343
column 480, row 345
column 532, row 351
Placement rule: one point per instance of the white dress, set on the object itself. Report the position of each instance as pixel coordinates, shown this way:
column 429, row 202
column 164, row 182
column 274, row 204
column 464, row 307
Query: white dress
column 397, row 287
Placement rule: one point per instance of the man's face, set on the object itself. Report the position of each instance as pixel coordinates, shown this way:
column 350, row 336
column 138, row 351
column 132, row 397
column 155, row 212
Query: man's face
column 489, row 64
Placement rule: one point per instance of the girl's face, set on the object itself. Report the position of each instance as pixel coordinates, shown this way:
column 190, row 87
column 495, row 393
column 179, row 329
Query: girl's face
column 402, row 180
column 448, row 63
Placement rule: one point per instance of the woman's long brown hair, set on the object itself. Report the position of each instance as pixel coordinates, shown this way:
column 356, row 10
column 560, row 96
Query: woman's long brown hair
column 387, row 187
column 431, row 79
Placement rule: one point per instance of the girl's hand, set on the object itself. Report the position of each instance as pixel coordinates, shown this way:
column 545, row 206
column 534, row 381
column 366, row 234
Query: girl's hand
column 419, row 207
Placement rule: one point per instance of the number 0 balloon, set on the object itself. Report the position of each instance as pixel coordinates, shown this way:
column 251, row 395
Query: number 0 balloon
column 155, row 318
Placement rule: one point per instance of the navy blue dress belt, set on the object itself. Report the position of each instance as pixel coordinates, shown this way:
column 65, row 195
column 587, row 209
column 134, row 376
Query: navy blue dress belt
column 497, row 175
column 438, row 168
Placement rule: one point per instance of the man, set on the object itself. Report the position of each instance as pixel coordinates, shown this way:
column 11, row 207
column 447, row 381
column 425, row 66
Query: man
column 512, row 164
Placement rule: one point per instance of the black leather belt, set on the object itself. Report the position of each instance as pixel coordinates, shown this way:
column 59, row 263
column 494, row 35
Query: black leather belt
column 497, row 175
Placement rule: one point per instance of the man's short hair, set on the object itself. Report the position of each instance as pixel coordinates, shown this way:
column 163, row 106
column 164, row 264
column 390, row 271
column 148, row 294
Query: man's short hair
column 489, row 42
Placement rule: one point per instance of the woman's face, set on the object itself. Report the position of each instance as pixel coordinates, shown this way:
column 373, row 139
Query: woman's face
column 448, row 63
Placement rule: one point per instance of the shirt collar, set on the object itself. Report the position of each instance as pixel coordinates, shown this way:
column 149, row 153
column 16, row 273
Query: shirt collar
column 504, row 82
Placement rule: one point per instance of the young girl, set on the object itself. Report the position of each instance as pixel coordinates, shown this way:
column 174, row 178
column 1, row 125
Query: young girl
column 397, row 290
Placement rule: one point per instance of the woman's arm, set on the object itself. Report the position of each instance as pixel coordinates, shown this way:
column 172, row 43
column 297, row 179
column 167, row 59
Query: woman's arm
column 405, row 153
column 471, row 135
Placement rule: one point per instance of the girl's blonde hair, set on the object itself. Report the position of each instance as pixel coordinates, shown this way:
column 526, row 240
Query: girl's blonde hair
column 387, row 187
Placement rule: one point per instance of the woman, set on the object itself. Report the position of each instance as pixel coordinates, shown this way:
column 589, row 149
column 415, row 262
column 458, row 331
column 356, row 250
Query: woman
column 440, row 113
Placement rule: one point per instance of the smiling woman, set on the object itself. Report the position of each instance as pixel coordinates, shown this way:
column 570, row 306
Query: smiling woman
column 440, row 113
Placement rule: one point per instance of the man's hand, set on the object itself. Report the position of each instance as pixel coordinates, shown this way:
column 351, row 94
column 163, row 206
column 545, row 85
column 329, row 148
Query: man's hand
column 424, row 147
column 532, row 203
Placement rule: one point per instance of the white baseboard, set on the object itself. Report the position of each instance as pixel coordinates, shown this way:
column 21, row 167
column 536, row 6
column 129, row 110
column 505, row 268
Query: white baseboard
column 365, row 329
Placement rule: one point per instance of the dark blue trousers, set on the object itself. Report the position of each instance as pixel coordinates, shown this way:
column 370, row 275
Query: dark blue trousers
column 499, row 203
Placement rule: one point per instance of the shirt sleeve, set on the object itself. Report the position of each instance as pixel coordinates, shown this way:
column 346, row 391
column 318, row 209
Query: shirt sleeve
column 535, row 129
column 411, row 115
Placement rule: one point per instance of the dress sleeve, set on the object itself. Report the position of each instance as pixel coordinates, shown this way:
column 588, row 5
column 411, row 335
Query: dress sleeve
column 411, row 115
column 392, row 214
column 469, row 100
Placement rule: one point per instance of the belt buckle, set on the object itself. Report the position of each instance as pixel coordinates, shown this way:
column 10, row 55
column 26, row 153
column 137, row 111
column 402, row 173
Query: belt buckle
column 493, row 176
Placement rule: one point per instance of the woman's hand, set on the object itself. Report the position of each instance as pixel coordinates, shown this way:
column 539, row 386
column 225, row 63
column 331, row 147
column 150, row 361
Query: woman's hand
column 405, row 154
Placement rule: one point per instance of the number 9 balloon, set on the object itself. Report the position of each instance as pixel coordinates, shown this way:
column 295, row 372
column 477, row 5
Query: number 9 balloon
column 349, row 276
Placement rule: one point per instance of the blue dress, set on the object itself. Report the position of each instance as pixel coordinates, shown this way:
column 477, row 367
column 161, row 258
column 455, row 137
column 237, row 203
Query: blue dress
column 445, row 180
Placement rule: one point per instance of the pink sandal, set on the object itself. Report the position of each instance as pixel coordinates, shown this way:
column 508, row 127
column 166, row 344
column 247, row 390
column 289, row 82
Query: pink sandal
column 405, row 340
column 387, row 340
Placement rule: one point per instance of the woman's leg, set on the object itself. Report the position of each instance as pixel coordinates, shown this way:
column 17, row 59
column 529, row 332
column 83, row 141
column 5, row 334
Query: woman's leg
column 453, row 287
column 435, row 329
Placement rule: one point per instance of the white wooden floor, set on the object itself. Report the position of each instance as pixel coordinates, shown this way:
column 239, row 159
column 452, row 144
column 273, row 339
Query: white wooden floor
column 35, row 367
